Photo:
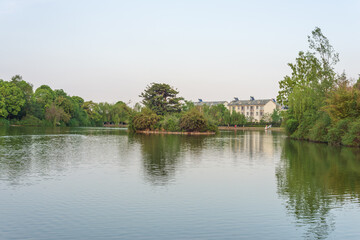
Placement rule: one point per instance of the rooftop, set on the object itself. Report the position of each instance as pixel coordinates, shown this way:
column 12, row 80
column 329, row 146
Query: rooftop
column 252, row 101
column 208, row 103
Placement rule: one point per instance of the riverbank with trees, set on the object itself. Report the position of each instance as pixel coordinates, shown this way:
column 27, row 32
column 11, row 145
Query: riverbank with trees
column 323, row 106
column 160, row 110
column 20, row 105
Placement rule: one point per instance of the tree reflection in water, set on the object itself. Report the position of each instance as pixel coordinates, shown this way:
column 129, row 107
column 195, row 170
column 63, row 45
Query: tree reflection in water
column 316, row 178
column 161, row 154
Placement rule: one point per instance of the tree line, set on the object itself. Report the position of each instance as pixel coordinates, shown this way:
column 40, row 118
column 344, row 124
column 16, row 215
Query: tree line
column 161, row 108
column 164, row 110
column 323, row 106
column 20, row 104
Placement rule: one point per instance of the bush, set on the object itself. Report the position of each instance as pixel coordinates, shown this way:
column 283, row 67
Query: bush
column 30, row 120
column 211, row 125
column 145, row 120
column 193, row 121
column 291, row 126
column 352, row 137
column 4, row 122
column 336, row 133
column 320, row 130
column 171, row 123
column 74, row 123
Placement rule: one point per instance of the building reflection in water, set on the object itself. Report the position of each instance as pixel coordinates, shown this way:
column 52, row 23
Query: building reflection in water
column 254, row 144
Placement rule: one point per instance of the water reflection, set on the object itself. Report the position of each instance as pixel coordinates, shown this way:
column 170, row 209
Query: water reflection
column 27, row 154
column 254, row 142
column 316, row 178
column 161, row 154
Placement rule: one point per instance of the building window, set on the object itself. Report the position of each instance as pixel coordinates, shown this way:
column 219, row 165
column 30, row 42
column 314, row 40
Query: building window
column 238, row 107
column 251, row 108
column 233, row 108
column 257, row 107
column 261, row 113
column 247, row 107
column 242, row 108
column 257, row 114
column 247, row 113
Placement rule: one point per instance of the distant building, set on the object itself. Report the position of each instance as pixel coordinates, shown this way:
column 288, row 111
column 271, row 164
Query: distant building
column 254, row 109
column 201, row 103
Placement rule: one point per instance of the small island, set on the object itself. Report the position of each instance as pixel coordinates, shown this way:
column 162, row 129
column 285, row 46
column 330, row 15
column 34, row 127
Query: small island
column 166, row 113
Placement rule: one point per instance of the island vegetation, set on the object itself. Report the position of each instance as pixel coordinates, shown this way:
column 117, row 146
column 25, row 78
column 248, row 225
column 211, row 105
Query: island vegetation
column 164, row 111
column 323, row 106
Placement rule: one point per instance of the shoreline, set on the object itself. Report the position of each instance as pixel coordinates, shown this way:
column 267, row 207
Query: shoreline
column 176, row 133
column 250, row 128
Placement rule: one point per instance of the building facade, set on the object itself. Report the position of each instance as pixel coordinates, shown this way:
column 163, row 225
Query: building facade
column 254, row 110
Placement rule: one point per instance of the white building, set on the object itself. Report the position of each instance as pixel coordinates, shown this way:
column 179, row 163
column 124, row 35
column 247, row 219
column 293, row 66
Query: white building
column 253, row 109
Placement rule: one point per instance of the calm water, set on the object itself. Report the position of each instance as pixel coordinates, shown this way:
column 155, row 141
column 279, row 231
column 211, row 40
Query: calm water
column 96, row 183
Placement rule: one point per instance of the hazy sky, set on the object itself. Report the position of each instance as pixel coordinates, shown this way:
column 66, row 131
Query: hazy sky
column 215, row 50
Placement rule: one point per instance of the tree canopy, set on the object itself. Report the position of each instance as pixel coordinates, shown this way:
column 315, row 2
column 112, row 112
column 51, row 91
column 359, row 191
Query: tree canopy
column 161, row 98
column 21, row 105
column 322, row 106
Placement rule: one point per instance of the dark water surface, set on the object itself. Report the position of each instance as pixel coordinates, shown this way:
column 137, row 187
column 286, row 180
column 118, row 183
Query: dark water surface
column 101, row 183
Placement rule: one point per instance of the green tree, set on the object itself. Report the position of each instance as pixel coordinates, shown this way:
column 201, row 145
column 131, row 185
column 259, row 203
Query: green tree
column 161, row 98
column 237, row 118
column 275, row 116
column 343, row 102
column 120, row 112
column 193, row 121
column 55, row 114
column 313, row 69
column 304, row 92
column 27, row 90
column 11, row 99
column 93, row 111
column 44, row 96
column 145, row 120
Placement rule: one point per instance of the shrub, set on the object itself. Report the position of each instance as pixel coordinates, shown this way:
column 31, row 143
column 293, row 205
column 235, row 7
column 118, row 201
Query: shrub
column 4, row 122
column 320, row 130
column 171, row 123
column 352, row 137
column 336, row 133
column 145, row 120
column 291, row 126
column 74, row 123
column 30, row 120
column 193, row 121
column 211, row 125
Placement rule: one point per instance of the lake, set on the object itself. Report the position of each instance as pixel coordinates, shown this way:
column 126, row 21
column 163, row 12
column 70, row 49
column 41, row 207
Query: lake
column 103, row 183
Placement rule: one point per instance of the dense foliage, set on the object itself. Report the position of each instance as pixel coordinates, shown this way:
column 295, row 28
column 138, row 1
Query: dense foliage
column 166, row 112
column 322, row 105
column 19, row 104
column 161, row 98
column 161, row 114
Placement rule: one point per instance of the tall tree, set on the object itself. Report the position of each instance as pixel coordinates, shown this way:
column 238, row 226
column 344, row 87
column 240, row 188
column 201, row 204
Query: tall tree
column 313, row 69
column 161, row 98
column 11, row 99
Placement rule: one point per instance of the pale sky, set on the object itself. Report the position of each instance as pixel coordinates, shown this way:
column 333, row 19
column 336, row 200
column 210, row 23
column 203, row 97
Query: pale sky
column 215, row 50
